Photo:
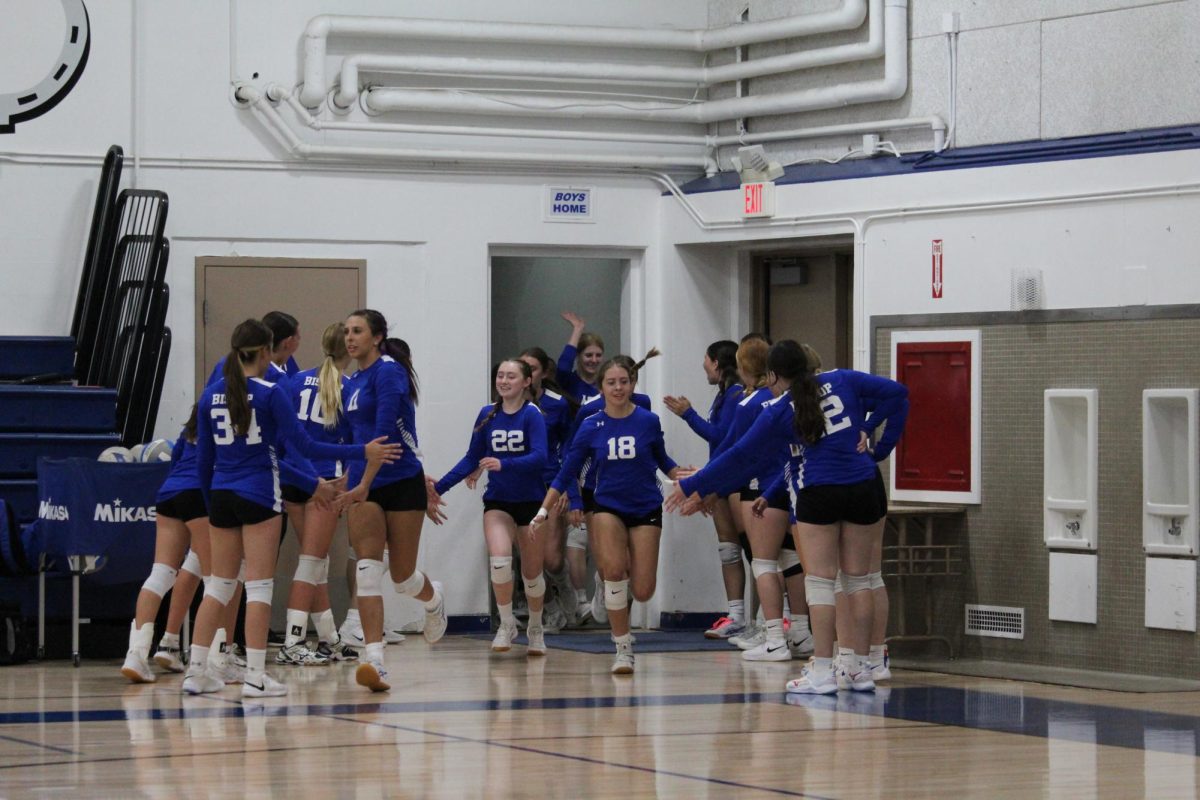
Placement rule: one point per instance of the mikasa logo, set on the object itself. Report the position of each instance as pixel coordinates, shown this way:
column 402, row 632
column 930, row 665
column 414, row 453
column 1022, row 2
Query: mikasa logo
column 47, row 510
column 115, row 512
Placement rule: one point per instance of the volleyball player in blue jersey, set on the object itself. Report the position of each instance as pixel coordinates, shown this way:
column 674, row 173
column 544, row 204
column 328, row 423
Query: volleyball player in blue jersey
column 240, row 422
column 387, row 502
column 317, row 396
column 182, row 522
column 556, row 411
column 625, row 445
column 580, row 358
column 838, row 493
column 720, row 367
column 508, row 442
column 286, row 332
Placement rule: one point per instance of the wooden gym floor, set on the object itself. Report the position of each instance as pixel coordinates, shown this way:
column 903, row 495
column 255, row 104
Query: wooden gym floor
column 463, row 723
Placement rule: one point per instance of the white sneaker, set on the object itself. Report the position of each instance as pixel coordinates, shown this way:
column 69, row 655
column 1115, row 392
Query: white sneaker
column 298, row 655
column 502, row 641
column 768, row 651
column 583, row 612
column 200, row 682
column 801, row 647
column 811, row 683
column 724, row 628
column 861, row 681
column 169, row 659
column 435, row 620
column 231, row 672
column 266, row 687
column 352, row 635
column 554, row 618
column 752, row 637
column 137, row 669
column 882, row 670
column 373, row 676
column 391, row 636
column 537, row 642
column 623, row 663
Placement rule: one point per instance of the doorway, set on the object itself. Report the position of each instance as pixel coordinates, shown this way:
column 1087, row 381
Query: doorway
column 808, row 296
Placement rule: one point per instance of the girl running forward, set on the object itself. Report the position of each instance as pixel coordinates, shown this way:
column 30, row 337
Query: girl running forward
column 625, row 444
column 508, row 441
column 388, row 502
column 241, row 421
column 837, row 492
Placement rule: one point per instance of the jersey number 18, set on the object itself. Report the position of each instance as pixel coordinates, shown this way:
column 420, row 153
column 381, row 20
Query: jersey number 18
column 622, row 447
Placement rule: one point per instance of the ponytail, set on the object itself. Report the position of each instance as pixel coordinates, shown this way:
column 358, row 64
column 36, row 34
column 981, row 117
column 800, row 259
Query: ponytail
column 483, row 423
column 400, row 352
column 724, row 354
column 329, row 377
column 654, row 352
column 247, row 340
column 189, row 427
column 787, row 359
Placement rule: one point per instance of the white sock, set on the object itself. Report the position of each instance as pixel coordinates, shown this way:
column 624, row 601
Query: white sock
column 535, row 618
column 199, row 657
column 375, row 652
column 352, row 619
column 217, row 650
column 506, row 615
column 822, row 666
column 326, row 627
column 877, row 652
column 775, row 630
column 800, row 626
column 297, row 627
column 626, row 638
column 737, row 611
column 256, row 663
column 432, row 603
column 169, row 641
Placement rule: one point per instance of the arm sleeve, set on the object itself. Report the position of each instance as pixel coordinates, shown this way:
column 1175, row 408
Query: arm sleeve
column 702, row 427
column 205, row 454
column 890, row 404
column 467, row 464
column 572, row 462
column 292, row 432
column 738, row 464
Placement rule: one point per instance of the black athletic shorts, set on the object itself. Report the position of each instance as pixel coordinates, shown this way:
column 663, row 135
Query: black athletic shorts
column 788, row 542
column 522, row 513
column 406, row 494
column 228, row 509
column 589, row 500
column 294, row 494
column 862, row 503
column 186, row 505
column 654, row 518
column 778, row 501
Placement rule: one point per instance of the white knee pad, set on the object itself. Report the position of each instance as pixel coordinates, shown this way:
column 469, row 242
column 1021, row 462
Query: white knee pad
column 876, row 579
column 160, row 580
column 260, row 591
column 616, row 595
column 763, row 566
column 577, row 537
column 220, row 589
column 191, row 563
column 501, row 569
column 788, row 559
column 412, row 585
column 242, row 572
column 818, row 591
column 837, row 583
column 308, row 569
column 370, row 577
column 729, row 552
column 853, row 584
column 323, row 578
column 535, row 587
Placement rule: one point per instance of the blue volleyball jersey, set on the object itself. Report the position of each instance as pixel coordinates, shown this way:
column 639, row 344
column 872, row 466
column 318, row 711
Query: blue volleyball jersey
column 556, row 413
column 568, row 379
column 625, row 454
column 587, row 477
column 378, row 404
column 834, row 458
column 248, row 464
column 288, row 370
column 720, row 417
column 519, row 441
column 182, row 476
column 305, row 389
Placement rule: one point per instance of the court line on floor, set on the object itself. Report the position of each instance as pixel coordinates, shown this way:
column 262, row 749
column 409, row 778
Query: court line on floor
column 175, row 755
column 39, row 744
column 585, row 759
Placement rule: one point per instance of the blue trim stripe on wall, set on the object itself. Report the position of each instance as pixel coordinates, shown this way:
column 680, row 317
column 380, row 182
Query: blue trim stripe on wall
column 1154, row 140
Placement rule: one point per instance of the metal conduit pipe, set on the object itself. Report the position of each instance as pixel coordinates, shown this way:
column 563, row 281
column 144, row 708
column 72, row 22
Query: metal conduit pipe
column 848, row 16
column 260, row 104
column 892, row 86
column 348, row 88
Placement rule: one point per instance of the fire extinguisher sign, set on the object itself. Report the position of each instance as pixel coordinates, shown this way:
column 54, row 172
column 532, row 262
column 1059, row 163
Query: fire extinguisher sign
column 938, row 276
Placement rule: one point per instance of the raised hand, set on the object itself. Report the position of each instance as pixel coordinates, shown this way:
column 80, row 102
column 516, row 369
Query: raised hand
column 678, row 405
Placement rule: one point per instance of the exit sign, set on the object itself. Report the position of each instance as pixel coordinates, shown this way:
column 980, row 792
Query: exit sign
column 758, row 199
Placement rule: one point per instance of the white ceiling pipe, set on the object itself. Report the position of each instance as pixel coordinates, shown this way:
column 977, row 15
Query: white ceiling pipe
column 275, row 122
column 933, row 122
column 891, row 87
column 347, row 92
column 848, row 16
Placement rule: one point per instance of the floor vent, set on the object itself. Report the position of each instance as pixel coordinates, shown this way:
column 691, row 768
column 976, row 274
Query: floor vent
column 999, row 621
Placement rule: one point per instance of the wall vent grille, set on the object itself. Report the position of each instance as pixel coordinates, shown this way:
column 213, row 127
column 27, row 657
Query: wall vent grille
column 999, row 621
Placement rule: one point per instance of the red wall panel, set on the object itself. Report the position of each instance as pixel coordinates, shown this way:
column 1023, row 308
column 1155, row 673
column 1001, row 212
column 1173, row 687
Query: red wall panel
column 935, row 452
